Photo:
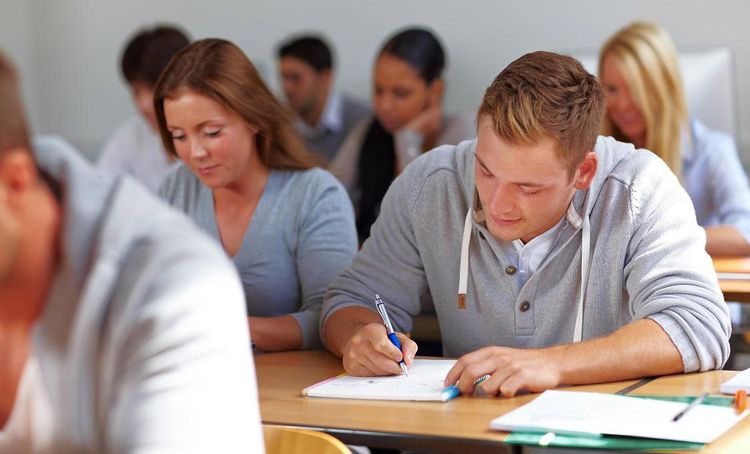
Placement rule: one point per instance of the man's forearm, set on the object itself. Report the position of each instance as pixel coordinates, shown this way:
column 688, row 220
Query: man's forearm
column 343, row 324
column 273, row 334
column 636, row 350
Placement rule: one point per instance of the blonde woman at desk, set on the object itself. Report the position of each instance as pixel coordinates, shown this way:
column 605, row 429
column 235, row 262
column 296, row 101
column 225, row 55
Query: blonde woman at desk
column 646, row 105
column 407, row 96
column 248, row 181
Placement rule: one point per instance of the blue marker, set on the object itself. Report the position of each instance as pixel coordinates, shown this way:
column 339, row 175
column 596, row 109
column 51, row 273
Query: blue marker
column 453, row 391
column 380, row 306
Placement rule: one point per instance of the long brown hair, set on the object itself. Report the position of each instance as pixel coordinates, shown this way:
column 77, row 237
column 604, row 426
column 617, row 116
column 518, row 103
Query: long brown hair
column 220, row 70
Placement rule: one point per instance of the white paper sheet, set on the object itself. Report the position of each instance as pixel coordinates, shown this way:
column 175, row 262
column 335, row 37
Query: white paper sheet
column 609, row 414
column 425, row 383
column 739, row 381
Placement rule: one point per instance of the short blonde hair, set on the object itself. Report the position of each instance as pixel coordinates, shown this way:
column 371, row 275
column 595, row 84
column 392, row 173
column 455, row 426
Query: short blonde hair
column 647, row 59
column 543, row 94
column 13, row 127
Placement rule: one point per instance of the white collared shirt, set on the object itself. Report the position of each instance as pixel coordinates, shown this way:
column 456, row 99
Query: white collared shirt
column 532, row 254
column 330, row 120
column 136, row 150
column 30, row 425
column 528, row 257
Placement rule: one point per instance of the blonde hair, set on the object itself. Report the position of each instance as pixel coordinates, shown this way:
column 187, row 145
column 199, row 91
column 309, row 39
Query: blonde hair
column 543, row 94
column 647, row 58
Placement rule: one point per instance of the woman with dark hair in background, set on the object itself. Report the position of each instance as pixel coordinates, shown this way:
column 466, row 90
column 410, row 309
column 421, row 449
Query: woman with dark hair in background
column 407, row 97
column 248, row 181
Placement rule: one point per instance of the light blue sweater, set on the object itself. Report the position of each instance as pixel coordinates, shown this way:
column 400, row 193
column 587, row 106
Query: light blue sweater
column 715, row 180
column 300, row 237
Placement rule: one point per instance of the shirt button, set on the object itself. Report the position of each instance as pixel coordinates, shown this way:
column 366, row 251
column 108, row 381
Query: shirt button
column 510, row 270
column 524, row 306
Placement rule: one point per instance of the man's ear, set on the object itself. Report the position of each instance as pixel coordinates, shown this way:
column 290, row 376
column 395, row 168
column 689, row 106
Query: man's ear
column 326, row 75
column 17, row 169
column 586, row 171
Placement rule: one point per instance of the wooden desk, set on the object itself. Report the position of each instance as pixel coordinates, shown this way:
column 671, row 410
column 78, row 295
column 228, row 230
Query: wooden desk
column 737, row 439
column 734, row 289
column 460, row 425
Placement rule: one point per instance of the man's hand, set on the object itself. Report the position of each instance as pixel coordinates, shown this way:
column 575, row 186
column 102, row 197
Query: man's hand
column 428, row 123
column 369, row 352
column 510, row 369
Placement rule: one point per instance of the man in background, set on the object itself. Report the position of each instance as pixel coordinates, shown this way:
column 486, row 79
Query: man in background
column 135, row 148
column 325, row 116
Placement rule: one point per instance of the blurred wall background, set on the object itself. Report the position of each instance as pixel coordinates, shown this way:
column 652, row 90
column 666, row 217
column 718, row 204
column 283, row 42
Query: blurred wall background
column 68, row 50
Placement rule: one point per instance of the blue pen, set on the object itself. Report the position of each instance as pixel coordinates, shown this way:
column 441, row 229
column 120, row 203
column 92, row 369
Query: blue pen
column 380, row 306
column 452, row 391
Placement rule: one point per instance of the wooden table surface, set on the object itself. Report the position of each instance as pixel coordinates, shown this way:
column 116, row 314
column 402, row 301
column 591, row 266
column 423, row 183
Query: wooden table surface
column 737, row 439
column 734, row 277
column 450, row 427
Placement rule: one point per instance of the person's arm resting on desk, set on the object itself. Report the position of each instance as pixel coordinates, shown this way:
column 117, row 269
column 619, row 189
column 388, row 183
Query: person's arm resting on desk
column 681, row 322
column 636, row 350
column 326, row 243
column 271, row 334
column 389, row 264
column 726, row 240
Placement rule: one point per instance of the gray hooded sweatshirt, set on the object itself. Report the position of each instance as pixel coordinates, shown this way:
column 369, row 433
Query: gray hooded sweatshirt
column 647, row 259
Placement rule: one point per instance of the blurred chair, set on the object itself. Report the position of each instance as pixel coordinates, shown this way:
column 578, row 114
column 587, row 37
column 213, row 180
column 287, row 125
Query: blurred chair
column 283, row 440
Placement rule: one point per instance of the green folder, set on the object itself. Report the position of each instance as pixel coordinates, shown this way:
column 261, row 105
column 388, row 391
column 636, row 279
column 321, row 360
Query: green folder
column 576, row 440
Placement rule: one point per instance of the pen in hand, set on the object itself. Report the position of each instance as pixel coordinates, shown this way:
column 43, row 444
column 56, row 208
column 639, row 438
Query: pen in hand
column 694, row 403
column 380, row 306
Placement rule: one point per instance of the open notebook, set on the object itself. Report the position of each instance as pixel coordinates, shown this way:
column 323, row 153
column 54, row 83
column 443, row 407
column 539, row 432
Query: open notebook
column 425, row 383
column 608, row 414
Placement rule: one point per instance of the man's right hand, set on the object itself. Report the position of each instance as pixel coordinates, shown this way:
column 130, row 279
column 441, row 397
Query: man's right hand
column 428, row 123
column 369, row 352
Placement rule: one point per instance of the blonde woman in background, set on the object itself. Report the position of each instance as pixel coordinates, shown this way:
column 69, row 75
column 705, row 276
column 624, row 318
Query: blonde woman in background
column 646, row 105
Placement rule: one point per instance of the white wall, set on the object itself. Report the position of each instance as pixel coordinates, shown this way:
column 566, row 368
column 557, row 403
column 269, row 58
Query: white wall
column 69, row 49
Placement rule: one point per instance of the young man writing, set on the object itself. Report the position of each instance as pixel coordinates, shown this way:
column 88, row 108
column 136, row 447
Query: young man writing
column 552, row 256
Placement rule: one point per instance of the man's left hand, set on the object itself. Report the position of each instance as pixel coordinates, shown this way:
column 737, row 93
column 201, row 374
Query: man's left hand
column 510, row 369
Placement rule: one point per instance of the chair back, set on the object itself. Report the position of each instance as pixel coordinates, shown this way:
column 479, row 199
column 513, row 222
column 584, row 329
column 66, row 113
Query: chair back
column 283, row 440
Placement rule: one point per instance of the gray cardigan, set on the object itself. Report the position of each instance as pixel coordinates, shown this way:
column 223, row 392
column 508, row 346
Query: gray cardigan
column 647, row 260
column 300, row 238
